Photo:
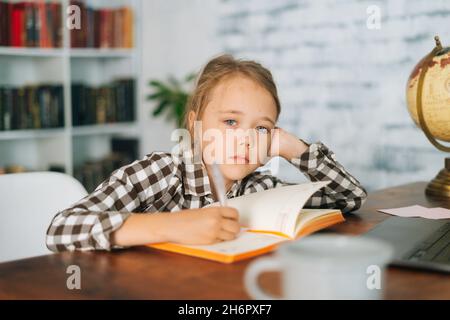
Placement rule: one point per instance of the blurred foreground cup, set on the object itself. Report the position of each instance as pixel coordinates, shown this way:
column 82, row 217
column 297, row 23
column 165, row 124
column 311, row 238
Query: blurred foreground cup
column 325, row 267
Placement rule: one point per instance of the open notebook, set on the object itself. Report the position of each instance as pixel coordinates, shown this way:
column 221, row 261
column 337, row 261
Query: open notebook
column 268, row 218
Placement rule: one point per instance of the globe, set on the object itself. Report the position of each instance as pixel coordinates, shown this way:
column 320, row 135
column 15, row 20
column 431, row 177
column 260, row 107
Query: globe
column 428, row 101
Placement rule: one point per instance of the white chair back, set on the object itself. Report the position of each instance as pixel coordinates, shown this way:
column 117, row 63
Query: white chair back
column 28, row 202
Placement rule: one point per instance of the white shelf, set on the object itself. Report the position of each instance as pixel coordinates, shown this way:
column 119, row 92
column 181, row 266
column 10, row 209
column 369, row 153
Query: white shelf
column 89, row 130
column 31, row 134
column 100, row 53
column 72, row 52
column 105, row 129
column 31, row 52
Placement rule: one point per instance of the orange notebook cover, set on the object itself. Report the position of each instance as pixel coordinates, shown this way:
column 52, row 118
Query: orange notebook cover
column 268, row 219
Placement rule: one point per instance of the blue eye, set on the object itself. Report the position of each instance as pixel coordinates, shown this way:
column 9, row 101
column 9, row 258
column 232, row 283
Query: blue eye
column 230, row 122
column 262, row 129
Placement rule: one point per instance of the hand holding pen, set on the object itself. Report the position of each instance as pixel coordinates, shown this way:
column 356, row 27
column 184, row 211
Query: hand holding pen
column 205, row 225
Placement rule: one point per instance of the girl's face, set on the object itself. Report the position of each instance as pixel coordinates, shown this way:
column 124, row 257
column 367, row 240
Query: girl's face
column 236, row 126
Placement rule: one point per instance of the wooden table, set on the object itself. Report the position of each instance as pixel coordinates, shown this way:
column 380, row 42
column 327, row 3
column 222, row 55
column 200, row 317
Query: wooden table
column 144, row 273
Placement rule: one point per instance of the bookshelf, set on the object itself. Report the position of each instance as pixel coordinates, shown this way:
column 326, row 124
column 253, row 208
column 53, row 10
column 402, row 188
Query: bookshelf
column 68, row 146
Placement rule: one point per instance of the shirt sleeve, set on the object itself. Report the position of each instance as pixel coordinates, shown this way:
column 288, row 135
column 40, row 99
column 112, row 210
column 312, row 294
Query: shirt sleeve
column 344, row 192
column 88, row 224
column 318, row 163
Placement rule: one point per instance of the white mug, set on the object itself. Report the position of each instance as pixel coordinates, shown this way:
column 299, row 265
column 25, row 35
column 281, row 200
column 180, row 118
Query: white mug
column 325, row 267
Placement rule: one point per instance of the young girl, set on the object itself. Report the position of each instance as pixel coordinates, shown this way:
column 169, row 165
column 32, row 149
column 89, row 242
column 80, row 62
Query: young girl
column 132, row 206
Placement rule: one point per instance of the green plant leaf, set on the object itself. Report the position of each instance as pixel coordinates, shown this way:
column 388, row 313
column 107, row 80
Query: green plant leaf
column 190, row 77
column 155, row 96
column 160, row 108
column 171, row 98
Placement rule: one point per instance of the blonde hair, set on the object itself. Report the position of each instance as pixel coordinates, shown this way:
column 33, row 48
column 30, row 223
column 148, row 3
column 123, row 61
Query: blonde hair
column 219, row 68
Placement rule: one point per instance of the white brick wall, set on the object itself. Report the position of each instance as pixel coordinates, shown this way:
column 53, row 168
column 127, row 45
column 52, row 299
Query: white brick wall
column 342, row 83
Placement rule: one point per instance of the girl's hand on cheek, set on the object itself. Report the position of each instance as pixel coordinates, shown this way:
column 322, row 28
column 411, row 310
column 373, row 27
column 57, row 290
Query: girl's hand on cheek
column 286, row 145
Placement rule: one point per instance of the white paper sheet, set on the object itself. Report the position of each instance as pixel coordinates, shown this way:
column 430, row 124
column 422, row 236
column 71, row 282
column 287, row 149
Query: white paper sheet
column 419, row 211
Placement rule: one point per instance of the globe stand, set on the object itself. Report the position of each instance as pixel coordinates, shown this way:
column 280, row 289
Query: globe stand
column 440, row 185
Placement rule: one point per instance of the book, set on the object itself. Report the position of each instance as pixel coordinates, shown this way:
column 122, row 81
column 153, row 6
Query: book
column 103, row 27
column 39, row 24
column 31, row 107
column 17, row 36
column 268, row 219
column 5, row 17
column 31, row 24
column 93, row 172
column 109, row 103
column 127, row 147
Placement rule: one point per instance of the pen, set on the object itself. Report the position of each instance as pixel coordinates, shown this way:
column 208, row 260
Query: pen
column 219, row 183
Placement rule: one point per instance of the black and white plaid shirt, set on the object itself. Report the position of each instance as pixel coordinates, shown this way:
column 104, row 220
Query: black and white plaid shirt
column 165, row 182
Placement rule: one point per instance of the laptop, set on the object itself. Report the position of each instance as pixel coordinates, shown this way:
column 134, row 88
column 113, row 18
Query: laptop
column 418, row 242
